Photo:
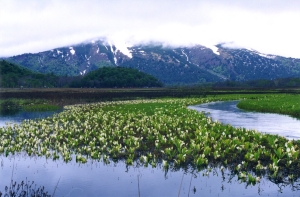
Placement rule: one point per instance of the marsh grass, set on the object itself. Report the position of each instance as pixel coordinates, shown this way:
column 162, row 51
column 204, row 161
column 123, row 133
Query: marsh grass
column 8, row 107
column 287, row 104
column 40, row 107
column 12, row 106
column 146, row 108
column 24, row 189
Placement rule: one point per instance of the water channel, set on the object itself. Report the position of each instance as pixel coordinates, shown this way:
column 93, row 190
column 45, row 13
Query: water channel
column 18, row 117
column 228, row 113
column 96, row 178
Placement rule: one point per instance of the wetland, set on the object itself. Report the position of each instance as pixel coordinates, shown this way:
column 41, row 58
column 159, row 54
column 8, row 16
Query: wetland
column 149, row 143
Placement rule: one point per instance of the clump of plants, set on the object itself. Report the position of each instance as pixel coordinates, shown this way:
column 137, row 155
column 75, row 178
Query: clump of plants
column 154, row 132
column 24, row 189
column 287, row 104
column 13, row 106
column 8, row 107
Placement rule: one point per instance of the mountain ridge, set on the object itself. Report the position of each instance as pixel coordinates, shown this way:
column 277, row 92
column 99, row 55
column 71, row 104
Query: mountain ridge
column 171, row 65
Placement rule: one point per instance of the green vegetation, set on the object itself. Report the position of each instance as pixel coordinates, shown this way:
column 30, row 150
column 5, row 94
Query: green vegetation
column 287, row 104
column 24, row 189
column 12, row 106
column 261, row 83
column 42, row 64
column 8, row 107
column 15, row 76
column 108, row 77
column 155, row 132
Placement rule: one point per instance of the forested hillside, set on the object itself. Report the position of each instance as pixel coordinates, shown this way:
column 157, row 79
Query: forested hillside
column 13, row 76
column 116, row 77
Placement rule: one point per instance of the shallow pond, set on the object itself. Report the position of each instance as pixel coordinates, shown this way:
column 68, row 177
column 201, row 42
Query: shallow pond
column 20, row 116
column 115, row 179
column 228, row 113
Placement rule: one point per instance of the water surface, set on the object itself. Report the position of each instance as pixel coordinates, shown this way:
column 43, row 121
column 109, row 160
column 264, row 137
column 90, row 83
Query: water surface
column 116, row 179
column 98, row 179
column 228, row 113
column 22, row 115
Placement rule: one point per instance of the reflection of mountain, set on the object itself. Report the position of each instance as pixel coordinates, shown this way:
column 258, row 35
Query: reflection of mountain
column 183, row 65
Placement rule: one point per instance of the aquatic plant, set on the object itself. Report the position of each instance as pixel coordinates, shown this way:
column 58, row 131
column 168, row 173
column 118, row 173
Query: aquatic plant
column 24, row 189
column 158, row 131
column 12, row 106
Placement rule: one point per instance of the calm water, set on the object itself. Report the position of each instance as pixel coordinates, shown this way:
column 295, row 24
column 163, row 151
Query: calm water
column 98, row 179
column 228, row 113
column 20, row 116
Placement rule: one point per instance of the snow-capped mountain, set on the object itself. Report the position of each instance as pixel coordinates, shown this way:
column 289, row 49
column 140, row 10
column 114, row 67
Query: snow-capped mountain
column 183, row 65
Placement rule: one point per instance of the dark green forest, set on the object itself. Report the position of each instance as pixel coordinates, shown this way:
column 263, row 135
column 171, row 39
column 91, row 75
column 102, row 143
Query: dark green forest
column 116, row 77
column 14, row 76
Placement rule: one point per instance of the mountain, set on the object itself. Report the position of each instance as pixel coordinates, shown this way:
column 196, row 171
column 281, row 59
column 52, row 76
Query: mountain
column 181, row 65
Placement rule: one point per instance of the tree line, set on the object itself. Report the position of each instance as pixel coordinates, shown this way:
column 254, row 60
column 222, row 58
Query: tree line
column 13, row 76
column 260, row 83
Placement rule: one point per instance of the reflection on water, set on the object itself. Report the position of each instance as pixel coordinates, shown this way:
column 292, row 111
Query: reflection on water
column 228, row 113
column 20, row 116
column 116, row 179
column 25, row 188
column 98, row 179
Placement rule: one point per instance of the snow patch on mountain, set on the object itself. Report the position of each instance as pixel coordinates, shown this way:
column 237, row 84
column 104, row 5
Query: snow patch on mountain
column 83, row 72
column 262, row 54
column 72, row 51
column 87, row 58
column 213, row 48
column 267, row 55
column 187, row 58
column 114, row 53
column 123, row 47
column 142, row 52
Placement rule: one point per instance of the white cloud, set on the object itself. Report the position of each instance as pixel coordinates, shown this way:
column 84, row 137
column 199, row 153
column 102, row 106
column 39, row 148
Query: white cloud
column 34, row 26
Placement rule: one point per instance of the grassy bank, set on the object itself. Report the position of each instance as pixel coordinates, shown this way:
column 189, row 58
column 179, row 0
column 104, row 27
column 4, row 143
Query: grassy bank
column 288, row 104
column 155, row 132
column 13, row 105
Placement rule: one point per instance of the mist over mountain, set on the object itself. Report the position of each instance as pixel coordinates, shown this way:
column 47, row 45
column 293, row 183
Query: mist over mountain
column 171, row 65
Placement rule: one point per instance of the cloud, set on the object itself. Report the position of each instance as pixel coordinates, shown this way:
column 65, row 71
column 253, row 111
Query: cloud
column 34, row 26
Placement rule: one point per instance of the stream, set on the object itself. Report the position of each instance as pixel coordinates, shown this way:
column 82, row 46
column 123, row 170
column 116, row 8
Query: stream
column 228, row 113
column 96, row 178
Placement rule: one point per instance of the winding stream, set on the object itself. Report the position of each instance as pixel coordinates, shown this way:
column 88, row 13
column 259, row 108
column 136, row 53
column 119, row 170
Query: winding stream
column 228, row 113
column 116, row 179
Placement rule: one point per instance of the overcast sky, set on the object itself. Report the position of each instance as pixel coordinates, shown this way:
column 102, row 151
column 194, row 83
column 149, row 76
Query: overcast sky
column 269, row 26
